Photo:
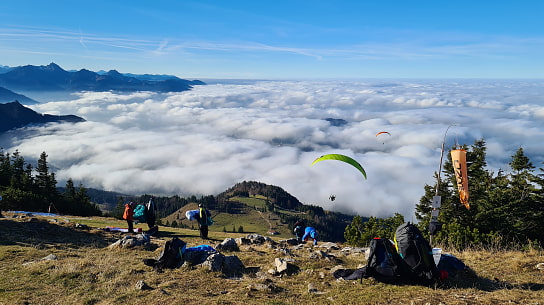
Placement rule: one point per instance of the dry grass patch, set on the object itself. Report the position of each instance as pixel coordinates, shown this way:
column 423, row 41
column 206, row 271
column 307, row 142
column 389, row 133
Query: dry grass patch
column 88, row 272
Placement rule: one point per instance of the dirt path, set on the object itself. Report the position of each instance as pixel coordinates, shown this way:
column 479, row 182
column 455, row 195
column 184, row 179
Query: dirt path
column 265, row 219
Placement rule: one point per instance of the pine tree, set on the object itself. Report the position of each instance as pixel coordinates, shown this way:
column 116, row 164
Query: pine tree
column 525, row 201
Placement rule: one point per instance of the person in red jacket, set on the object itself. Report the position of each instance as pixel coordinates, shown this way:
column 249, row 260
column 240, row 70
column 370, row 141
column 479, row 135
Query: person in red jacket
column 128, row 215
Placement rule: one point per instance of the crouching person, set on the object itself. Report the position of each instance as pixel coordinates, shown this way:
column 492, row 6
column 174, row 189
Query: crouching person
column 310, row 232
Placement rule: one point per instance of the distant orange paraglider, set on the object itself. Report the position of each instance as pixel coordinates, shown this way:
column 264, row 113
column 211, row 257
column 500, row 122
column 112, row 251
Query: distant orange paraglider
column 382, row 132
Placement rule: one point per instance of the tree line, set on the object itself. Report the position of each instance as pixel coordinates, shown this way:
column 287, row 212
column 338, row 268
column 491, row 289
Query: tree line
column 34, row 188
column 506, row 206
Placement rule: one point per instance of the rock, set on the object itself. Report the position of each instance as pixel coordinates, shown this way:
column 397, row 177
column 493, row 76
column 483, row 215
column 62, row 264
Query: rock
column 540, row 266
column 81, row 226
column 129, row 241
column 141, row 285
column 329, row 246
column 350, row 250
column 337, row 267
column 290, row 241
column 312, row 288
column 243, row 241
column 229, row 265
column 232, row 265
column 229, row 244
column 285, row 251
column 50, row 257
column 283, row 267
column 318, row 254
column 214, row 262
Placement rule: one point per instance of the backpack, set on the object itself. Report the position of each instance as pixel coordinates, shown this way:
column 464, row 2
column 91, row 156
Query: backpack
column 416, row 251
column 139, row 213
column 385, row 264
column 171, row 256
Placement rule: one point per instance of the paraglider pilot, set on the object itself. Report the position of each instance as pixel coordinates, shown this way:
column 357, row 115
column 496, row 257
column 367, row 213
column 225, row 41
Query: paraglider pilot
column 310, row 232
column 299, row 229
column 128, row 215
column 203, row 218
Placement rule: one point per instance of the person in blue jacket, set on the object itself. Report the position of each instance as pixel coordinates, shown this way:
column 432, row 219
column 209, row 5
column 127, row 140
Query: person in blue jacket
column 310, row 232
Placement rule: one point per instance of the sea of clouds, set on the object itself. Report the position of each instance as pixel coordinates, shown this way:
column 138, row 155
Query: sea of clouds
column 203, row 141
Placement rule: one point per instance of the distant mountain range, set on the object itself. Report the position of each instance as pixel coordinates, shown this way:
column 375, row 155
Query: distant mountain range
column 7, row 96
column 54, row 78
column 14, row 115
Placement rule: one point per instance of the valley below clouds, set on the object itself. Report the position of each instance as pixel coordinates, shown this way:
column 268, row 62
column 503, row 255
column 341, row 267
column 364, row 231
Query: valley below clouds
column 203, row 141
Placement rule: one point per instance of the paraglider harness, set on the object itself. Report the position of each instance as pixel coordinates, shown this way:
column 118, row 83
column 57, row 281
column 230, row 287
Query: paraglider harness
column 408, row 261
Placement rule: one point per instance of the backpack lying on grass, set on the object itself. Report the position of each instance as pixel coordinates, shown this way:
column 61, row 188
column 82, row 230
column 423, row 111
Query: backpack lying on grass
column 412, row 264
column 416, row 251
column 171, row 256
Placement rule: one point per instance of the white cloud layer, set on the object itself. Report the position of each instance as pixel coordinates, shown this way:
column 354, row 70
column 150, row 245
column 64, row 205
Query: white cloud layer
column 205, row 140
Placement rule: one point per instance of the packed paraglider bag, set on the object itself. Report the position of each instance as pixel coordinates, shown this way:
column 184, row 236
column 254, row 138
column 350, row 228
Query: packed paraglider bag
column 412, row 263
column 171, row 256
column 416, row 251
column 385, row 264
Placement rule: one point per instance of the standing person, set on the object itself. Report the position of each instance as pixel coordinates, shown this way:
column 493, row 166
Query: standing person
column 203, row 215
column 150, row 213
column 128, row 215
column 310, row 232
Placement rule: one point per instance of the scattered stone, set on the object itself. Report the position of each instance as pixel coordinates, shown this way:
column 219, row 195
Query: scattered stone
column 284, row 267
column 50, row 257
column 129, row 241
column 290, row 241
column 312, row 288
column 540, row 266
column 285, row 251
column 350, row 250
column 329, row 246
column 337, row 267
column 318, row 254
column 243, row 241
column 81, row 226
column 298, row 247
column 229, row 244
column 141, row 285
column 229, row 265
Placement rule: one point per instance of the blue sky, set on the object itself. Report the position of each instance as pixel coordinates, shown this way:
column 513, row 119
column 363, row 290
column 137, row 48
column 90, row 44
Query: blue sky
column 280, row 39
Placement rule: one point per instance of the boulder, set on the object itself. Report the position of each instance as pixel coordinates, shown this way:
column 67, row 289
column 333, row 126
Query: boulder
column 229, row 244
column 129, row 241
column 229, row 265
column 282, row 266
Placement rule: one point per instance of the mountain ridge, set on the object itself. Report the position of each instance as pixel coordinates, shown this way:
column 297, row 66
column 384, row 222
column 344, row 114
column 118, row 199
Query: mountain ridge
column 15, row 115
column 53, row 78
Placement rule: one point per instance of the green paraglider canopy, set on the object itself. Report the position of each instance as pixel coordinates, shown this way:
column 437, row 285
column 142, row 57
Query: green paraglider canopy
column 342, row 158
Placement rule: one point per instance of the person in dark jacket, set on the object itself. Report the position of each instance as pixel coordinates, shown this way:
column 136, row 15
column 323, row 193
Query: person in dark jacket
column 203, row 221
column 299, row 228
column 150, row 213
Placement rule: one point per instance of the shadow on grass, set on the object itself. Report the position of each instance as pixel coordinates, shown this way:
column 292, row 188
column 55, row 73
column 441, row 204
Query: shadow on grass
column 469, row 279
column 36, row 232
